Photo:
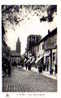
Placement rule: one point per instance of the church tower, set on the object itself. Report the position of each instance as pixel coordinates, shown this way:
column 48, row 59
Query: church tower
column 18, row 46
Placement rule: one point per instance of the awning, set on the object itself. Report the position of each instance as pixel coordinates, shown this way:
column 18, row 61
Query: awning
column 47, row 53
column 39, row 59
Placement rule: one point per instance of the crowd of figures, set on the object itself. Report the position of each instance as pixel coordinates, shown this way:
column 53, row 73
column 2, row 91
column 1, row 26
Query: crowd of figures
column 28, row 62
column 31, row 61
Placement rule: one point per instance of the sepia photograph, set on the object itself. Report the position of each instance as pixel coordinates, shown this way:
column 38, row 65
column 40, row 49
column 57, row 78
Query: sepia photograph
column 29, row 48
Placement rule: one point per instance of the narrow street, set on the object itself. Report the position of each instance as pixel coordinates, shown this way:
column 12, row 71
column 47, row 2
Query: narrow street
column 28, row 81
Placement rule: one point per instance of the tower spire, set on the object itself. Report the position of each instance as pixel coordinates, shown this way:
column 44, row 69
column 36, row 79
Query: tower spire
column 18, row 46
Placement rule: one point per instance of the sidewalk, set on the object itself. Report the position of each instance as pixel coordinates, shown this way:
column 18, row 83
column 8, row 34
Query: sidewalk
column 45, row 73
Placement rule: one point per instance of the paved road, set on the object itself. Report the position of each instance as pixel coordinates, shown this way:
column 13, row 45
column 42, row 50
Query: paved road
column 27, row 81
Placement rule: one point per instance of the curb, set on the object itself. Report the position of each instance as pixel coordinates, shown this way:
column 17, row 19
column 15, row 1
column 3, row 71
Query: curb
column 44, row 73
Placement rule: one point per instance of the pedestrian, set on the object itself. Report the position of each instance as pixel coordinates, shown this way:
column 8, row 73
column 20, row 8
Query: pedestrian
column 25, row 62
column 55, row 68
column 47, row 64
column 26, row 66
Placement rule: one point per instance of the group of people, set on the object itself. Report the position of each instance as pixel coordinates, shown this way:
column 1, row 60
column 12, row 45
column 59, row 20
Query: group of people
column 29, row 61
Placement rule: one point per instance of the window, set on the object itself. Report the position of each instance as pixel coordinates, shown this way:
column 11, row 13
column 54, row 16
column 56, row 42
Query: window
column 37, row 48
column 42, row 46
column 53, row 56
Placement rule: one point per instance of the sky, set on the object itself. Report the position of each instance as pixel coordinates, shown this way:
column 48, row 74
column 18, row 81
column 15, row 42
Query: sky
column 27, row 21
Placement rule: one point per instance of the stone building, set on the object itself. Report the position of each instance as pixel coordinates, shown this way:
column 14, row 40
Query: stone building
column 32, row 42
column 18, row 46
column 48, row 50
column 15, row 58
column 6, row 66
column 16, row 54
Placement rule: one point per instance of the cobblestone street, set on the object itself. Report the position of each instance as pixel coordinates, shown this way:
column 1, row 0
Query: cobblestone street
column 28, row 81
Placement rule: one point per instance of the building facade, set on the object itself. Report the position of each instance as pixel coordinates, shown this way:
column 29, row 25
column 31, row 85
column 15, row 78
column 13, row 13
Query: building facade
column 50, row 47
column 15, row 58
column 18, row 46
column 16, row 54
column 48, row 51
column 6, row 66
column 32, row 42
